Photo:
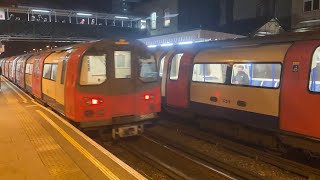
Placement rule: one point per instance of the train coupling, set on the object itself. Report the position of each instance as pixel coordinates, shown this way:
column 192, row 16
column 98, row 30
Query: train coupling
column 127, row 130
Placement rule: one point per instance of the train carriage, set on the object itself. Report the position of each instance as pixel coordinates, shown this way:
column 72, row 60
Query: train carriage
column 20, row 71
column 94, row 84
column 278, row 100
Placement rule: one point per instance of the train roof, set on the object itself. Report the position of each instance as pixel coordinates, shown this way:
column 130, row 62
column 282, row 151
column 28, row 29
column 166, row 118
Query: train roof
column 248, row 41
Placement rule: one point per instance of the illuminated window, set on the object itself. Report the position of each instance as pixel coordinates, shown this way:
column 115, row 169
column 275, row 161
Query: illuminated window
column 212, row 73
column 153, row 20
column 258, row 75
column 167, row 20
column 93, row 70
column 148, row 69
column 46, row 71
column 314, row 82
column 122, row 61
column 54, row 69
column 143, row 24
column 174, row 69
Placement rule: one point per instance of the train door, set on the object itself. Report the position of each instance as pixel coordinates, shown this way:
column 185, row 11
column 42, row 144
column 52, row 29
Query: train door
column 178, row 80
column 37, row 68
column 300, row 94
column 60, row 80
column 163, row 75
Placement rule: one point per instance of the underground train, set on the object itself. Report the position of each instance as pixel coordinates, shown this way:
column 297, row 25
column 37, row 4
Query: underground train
column 263, row 90
column 94, row 84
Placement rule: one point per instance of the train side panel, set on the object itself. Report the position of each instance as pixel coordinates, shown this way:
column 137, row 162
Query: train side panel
column 299, row 98
column 249, row 104
column 37, row 74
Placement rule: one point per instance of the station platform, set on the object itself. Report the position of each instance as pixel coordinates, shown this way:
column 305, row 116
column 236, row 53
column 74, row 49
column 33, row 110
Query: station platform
column 36, row 143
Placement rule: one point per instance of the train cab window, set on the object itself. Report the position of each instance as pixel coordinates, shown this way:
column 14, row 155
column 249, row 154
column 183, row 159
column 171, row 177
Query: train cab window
column 148, row 69
column 161, row 66
column 212, row 73
column 175, row 64
column 314, row 82
column 257, row 74
column 54, row 72
column 46, row 71
column 93, row 69
column 122, row 61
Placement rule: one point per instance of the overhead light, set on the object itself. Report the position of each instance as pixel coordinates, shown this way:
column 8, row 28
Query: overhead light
column 47, row 46
column 168, row 44
column 84, row 14
column 34, row 49
column 121, row 17
column 40, row 49
column 310, row 21
column 39, row 10
column 184, row 43
column 152, row 46
column 143, row 21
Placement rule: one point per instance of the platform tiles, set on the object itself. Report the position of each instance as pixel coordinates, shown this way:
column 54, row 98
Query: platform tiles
column 36, row 143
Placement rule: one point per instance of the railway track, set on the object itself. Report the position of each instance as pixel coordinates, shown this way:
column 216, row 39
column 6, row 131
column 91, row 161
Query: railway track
column 172, row 162
column 298, row 169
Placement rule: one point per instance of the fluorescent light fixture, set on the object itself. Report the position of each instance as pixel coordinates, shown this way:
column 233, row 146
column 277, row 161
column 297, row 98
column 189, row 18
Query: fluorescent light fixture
column 84, row 14
column 121, row 17
column 310, row 21
column 152, row 46
column 184, row 43
column 168, row 44
column 39, row 10
column 143, row 21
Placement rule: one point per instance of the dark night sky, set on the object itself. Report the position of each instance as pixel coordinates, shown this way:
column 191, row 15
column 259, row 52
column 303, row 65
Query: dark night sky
column 89, row 5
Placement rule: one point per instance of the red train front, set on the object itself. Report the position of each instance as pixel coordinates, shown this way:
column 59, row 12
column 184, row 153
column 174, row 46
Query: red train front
column 103, row 83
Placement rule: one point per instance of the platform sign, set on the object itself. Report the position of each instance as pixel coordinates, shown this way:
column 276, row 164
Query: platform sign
column 295, row 66
column 2, row 14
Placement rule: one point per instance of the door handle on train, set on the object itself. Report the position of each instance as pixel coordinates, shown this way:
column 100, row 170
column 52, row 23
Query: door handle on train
column 242, row 103
column 213, row 99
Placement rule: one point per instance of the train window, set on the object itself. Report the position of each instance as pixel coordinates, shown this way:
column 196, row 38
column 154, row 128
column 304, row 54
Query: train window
column 161, row 66
column 175, row 64
column 148, row 69
column 212, row 73
column 314, row 82
column 122, row 61
column 46, row 71
column 93, row 70
column 64, row 66
column 257, row 74
column 29, row 68
column 54, row 69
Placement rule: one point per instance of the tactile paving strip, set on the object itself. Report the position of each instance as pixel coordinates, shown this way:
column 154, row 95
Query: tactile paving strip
column 59, row 164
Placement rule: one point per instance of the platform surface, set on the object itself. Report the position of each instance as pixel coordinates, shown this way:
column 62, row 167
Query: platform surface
column 36, row 143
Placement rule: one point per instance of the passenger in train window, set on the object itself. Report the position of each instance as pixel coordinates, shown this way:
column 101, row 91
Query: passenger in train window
column 316, row 72
column 241, row 78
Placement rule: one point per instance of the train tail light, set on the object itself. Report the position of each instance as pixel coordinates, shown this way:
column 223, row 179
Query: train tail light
column 148, row 97
column 94, row 101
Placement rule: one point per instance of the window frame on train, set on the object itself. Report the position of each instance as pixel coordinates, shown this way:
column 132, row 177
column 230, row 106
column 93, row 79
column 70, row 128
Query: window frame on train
column 177, row 65
column 155, row 72
column 83, row 60
column 126, row 65
column 250, row 74
column 229, row 72
column 312, row 87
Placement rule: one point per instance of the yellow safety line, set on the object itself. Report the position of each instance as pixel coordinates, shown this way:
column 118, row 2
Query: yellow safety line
column 104, row 151
column 91, row 158
column 23, row 98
